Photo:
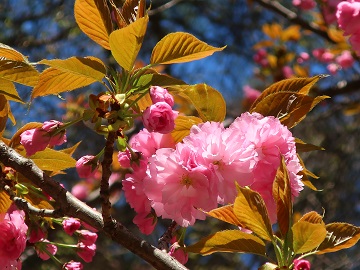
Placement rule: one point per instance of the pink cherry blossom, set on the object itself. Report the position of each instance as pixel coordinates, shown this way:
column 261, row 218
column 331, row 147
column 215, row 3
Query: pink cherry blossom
column 70, row 225
column 301, row 264
column 87, row 237
column 348, row 16
column 355, row 42
column 37, row 139
column 178, row 253
column 36, row 234
column 329, row 10
column 13, row 237
column 73, row 266
column 304, row 4
column 260, row 57
column 287, row 72
column 86, row 252
column 250, row 95
column 303, row 57
column 146, row 222
column 159, row 94
column 81, row 190
column 86, row 166
column 159, row 117
column 333, row 68
column 43, row 249
column 345, row 59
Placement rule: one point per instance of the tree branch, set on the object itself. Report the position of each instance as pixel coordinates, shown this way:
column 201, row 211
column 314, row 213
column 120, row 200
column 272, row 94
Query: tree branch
column 73, row 207
column 294, row 18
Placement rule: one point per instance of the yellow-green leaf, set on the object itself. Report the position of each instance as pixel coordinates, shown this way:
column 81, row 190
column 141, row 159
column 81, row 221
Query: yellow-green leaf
column 297, row 85
column 208, row 102
column 180, row 47
column 68, row 74
column 182, row 126
column 307, row 236
column 250, row 210
column 93, row 18
column 125, row 43
column 155, row 79
column 226, row 214
column 7, row 88
column 339, row 236
column 5, row 202
column 17, row 71
column 229, row 241
column 70, row 151
column 282, row 197
column 52, row 160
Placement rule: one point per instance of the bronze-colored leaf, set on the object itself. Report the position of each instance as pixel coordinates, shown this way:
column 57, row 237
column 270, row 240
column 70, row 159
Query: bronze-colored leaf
column 282, row 196
column 307, row 236
column 180, row 47
column 93, row 18
column 226, row 214
column 250, row 210
column 5, row 202
column 19, row 72
column 8, row 53
column 305, row 173
column 312, row 217
column 339, row 236
column 182, row 126
column 229, row 241
column 133, row 10
column 7, row 88
column 302, row 146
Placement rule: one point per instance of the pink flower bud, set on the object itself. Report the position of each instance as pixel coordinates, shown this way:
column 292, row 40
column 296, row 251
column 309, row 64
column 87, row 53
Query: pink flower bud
column 159, row 94
column 87, row 237
column 70, row 225
column 42, row 246
column 86, row 166
column 86, row 252
column 159, row 117
column 301, row 265
column 345, row 59
column 73, row 266
column 51, row 127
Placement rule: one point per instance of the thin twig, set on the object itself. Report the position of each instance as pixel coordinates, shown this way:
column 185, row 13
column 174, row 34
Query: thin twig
column 164, row 7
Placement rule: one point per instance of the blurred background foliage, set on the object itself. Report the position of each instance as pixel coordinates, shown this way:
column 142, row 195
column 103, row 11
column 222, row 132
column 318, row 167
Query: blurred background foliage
column 47, row 29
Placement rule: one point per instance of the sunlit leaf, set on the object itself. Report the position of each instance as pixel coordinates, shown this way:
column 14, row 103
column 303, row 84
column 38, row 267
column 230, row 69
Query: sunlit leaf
column 282, row 197
column 291, row 33
column 228, row 241
column 125, row 43
column 250, row 209
column 5, row 113
column 38, row 202
column 93, row 18
column 263, row 44
column 6, row 52
column 71, row 150
column 297, row 85
column 226, row 214
column 312, row 217
column 52, row 160
column 19, row 72
column 133, row 10
column 5, row 202
column 182, row 126
column 68, row 74
column 7, row 88
column 272, row 30
column 307, row 236
column 180, row 47
column 339, row 236
column 208, row 102
column 155, row 79
column 302, row 146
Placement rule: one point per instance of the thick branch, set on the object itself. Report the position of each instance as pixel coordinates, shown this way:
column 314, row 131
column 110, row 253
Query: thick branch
column 73, row 207
column 275, row 6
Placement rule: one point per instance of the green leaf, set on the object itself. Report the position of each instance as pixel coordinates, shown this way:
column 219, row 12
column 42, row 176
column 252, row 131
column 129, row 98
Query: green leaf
column 294, row 85
column 182, row 126
column 180, row 47
column 52, row 160
column 339, row 236
column 208, row 102
column 93, row 18
column 125, row 43
column 282, row 197
column 155, row 79
column 19, row 72
column 250, row 209
column 226, row 214
column 307, row 236
column 7, row 88
column 229, row 241
column 289, row 107
column 68, row 74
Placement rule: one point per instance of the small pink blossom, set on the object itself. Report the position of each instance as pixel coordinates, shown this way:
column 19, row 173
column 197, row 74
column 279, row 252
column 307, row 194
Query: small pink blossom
column 43, row 249
column 333, row 68
column 303, row 57
column 13, row 237
column 36, row 234
column 348, row 16
column 178, row 253
column 301, row 264
column 304, row 4
column 81, row 190
column 86, row 166
column 146, row 222
column 70, row 225
column 345, row 59
column 86, row 252
column 159, row 117
column 73, row 266
column 355, row 42
column 37, row 139
column 250, row 95
column 323, row 55
column 287, row 72
column 260, row 57
column 159, row 94
column 87, row 237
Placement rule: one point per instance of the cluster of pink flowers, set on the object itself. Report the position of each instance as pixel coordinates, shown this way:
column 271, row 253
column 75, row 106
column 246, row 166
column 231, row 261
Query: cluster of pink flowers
column 160, row 117
column 201, row 171
column 335, row 62
column 13, row 238
column 37, row 139
column 348, row 17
